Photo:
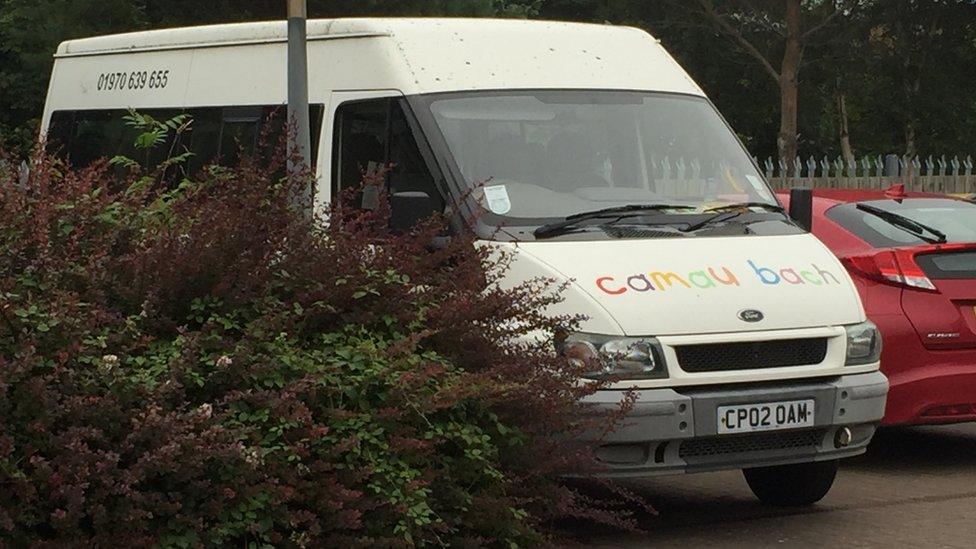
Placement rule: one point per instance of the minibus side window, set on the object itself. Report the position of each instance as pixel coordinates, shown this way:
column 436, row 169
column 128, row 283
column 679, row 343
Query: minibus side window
column 239, row 132
column 216, row 133
column 204, row 137
column 373, row 135
column 361, row 145
column 85, row 136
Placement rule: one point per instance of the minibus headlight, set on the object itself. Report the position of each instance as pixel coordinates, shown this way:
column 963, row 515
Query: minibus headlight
column 624, row 358
column 863, row 344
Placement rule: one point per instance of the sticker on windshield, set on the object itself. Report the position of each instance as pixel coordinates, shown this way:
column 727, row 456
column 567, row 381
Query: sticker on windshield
column 498, row 200
column 759, row 186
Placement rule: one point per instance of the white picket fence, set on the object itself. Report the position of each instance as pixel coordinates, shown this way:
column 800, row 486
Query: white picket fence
column 932, row 174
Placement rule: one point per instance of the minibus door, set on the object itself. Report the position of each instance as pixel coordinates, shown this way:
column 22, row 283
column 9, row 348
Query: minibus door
column 342, row 149
column 371, row 134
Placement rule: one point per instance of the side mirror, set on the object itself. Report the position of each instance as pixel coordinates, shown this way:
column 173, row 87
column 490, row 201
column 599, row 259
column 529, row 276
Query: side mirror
column 801, row 207
column 408, row 209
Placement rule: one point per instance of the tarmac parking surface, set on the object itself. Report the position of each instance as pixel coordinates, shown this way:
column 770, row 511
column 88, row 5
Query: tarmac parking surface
column 916, row 487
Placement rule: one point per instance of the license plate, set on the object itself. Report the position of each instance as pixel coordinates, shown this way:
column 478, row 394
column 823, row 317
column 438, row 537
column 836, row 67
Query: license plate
column 749, row 418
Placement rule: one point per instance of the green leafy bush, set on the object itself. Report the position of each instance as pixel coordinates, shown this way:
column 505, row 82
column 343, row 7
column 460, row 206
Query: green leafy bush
column 201, row 366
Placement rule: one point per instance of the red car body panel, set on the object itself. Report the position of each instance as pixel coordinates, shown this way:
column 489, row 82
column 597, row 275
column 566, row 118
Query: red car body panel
column 929, row 336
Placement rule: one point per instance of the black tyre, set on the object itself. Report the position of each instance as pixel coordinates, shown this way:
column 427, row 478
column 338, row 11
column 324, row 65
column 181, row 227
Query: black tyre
column 792, row 485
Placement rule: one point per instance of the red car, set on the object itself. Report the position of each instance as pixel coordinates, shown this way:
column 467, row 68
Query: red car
column 913, row 259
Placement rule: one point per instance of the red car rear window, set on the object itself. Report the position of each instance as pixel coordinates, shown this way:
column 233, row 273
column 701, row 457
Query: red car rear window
column 955, row 218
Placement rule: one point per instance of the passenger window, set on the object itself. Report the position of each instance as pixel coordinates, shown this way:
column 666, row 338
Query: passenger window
column 86, row 136
column 361, row 144
column 205, row 138
column 216, row 134
column 239, row 132
column 375, row 134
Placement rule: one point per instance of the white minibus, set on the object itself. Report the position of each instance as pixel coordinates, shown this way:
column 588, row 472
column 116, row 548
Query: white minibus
column 594, row 159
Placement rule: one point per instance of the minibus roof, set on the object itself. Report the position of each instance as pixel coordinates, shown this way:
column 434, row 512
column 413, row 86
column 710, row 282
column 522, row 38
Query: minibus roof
column 437, row 55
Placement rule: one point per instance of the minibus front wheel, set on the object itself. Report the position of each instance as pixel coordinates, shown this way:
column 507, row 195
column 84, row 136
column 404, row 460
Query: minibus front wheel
column 792, row 485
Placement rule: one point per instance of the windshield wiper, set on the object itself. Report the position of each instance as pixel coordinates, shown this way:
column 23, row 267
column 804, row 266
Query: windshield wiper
column 744, row 205
column 619, row 212
column 727, row 215
column 906, row 224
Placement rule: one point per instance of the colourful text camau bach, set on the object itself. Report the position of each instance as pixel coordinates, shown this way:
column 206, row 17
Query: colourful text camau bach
column 712, row 277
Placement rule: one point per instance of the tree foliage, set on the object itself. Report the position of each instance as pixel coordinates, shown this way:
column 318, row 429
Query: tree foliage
column 922, row 54
column 901, row 66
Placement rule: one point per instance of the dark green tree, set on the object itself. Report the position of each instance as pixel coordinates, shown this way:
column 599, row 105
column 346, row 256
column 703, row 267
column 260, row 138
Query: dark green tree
column 30, row 31
column 918, row 91
column 889, row 76
column 777, row 35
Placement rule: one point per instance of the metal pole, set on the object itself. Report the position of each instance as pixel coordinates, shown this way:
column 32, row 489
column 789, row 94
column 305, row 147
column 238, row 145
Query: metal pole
column 300, row 139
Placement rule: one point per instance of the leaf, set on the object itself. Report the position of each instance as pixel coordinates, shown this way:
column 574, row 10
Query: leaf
column 150, row 139
column 123, row 162
column 138, row 185
column 177, row 160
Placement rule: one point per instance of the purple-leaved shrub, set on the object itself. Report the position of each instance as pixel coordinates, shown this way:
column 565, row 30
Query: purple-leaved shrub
column 201, row 366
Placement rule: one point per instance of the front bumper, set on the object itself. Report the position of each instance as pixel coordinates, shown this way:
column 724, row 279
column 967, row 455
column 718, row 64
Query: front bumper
column 676, row 430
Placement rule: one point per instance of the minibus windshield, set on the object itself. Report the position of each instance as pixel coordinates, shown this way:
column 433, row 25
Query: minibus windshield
column 553, row 154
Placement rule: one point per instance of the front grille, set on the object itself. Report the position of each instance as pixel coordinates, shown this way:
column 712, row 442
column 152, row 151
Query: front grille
column 757, row 442
column 718, row 357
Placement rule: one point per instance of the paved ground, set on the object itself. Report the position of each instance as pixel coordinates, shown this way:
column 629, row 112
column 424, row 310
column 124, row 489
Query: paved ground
column 914, row 488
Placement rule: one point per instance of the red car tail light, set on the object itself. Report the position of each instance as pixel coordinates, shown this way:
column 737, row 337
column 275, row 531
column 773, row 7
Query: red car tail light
column 896, row 267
